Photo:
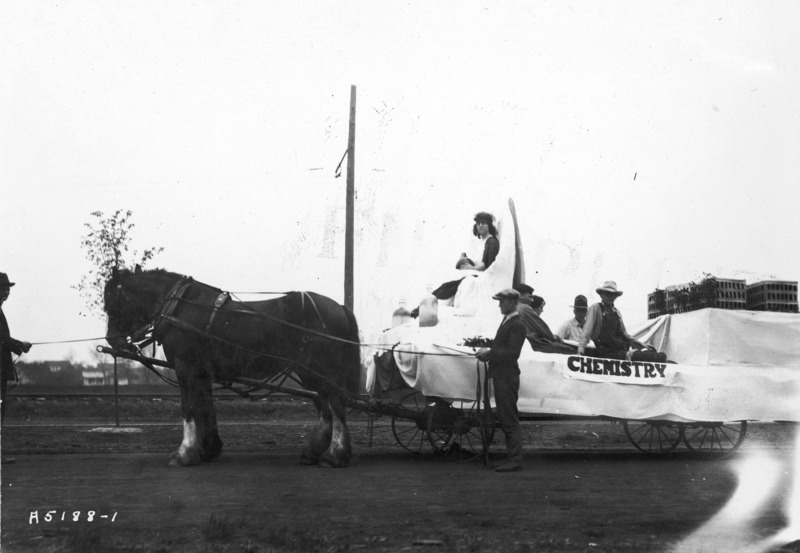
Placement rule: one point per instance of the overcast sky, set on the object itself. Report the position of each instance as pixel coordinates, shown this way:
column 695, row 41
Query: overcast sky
column 643, row 142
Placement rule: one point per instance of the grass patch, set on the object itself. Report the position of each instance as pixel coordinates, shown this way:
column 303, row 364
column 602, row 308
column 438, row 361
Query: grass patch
column 219, row 529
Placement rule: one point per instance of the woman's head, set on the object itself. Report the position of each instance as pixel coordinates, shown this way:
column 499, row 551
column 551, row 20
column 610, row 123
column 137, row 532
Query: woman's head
column 484, row 218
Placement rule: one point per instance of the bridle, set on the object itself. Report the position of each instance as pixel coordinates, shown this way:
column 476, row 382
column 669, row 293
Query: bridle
column 151, row 328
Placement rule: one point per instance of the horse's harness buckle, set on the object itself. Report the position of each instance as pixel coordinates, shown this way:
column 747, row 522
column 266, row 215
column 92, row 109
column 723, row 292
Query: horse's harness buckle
column 218, row 303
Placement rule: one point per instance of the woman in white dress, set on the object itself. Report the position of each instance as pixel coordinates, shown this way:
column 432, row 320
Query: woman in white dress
column 485, row 230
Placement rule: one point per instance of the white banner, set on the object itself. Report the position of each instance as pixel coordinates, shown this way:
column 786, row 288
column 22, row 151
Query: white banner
column 612, row 370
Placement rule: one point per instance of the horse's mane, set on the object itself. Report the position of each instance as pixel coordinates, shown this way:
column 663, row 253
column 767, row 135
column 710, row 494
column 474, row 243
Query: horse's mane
column 155, row 275
column 156, row 271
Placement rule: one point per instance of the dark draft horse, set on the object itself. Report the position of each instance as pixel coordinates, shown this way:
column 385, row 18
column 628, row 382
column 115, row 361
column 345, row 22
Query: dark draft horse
column 207, row 336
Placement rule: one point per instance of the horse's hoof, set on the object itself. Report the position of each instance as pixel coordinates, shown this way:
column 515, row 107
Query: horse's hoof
column 176, row 461
column 308, row 460
column 333, row 463
column 185, row 458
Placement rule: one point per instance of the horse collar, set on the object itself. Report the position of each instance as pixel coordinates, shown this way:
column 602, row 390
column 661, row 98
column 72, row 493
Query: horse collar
column 169, row 304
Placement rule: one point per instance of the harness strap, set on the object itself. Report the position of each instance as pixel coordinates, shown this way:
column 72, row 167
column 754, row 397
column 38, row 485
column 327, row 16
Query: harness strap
column 169, row 305
column 171, row 320
column 219, row 302
column 303, row 295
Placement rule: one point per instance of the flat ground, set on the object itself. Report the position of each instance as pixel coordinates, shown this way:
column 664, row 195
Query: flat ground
column 584, row 487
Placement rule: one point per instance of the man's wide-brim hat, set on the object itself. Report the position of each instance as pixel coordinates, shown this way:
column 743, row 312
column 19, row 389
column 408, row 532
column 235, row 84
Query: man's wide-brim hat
column 610, row 287
column 580, row 302
column 4, row 280
column 506, row 294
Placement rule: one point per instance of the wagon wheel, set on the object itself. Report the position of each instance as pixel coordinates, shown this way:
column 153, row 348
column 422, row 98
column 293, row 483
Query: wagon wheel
column 409, row 421
column 409, row 433
column 714, row 438
column 456, row 433
column 655, row 437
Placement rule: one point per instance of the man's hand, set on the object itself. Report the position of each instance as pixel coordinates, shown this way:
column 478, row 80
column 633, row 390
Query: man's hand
column 26, row 347
column 483, row 354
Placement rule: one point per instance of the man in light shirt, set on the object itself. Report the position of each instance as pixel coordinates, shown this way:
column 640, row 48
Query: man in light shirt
column 572, row 329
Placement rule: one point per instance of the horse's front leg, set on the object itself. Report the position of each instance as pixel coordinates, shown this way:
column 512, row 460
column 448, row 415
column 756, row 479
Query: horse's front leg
column 319, row 438
column 201, row 441
column 339, row 450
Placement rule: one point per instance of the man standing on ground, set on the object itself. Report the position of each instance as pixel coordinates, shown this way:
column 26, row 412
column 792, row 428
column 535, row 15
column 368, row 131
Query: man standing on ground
column 503, row 359
column 8, row 345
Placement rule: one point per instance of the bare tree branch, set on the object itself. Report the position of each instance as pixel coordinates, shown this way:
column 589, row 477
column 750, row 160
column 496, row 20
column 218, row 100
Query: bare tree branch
column 106, row 244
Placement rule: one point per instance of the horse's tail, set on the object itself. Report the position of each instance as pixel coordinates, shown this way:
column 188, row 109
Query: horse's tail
column 352, row 354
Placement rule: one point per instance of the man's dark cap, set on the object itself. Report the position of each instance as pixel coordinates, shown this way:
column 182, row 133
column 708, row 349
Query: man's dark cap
column 508, row 293
column 580, row 302
column 523, row 288
column 4, row 280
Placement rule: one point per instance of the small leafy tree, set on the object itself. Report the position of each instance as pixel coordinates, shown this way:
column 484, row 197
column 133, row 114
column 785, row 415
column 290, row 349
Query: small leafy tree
column 107, row 246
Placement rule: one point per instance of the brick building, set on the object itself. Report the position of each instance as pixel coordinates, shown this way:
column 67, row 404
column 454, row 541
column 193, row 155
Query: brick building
column 723, row 293
column 772, row 295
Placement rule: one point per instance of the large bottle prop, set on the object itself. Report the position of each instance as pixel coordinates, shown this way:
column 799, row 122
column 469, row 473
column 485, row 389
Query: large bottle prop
column 401, row 315
column 429, row 310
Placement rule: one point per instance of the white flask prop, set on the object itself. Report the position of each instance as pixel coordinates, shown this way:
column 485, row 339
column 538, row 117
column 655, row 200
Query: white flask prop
column 401, row 315
column 429, row 310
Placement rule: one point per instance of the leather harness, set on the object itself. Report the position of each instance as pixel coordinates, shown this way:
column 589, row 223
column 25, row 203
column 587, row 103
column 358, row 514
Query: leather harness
column 165, row 315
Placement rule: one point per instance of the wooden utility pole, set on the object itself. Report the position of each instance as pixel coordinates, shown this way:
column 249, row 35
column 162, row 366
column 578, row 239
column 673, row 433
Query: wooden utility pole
column 350, row 204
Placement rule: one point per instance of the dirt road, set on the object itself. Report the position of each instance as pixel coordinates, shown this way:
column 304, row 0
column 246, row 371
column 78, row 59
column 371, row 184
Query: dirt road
column 596, row 495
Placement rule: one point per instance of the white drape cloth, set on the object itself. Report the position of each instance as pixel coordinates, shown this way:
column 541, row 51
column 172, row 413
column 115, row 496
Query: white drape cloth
column 750, row 369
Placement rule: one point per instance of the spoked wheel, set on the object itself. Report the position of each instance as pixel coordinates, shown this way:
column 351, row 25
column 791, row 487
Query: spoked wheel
column 456, row 433
column 410, row 434
column 409, row 422
column 654, row 437
column 714, row 438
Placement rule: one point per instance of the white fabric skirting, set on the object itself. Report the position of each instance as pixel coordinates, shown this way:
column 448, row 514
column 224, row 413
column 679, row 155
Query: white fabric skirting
column 430, row 361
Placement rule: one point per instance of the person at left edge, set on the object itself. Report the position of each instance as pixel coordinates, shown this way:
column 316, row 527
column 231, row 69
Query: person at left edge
column 503, row 359
column 8, row 345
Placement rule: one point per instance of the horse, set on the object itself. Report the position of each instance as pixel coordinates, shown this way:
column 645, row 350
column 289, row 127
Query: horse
column 208, row 336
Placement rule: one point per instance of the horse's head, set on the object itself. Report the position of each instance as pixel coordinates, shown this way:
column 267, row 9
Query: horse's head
column 129, row 303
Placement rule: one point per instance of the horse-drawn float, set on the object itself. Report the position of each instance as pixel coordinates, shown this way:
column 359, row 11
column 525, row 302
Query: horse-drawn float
column 727, row 368
column 730, row 367
column 704, row 406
